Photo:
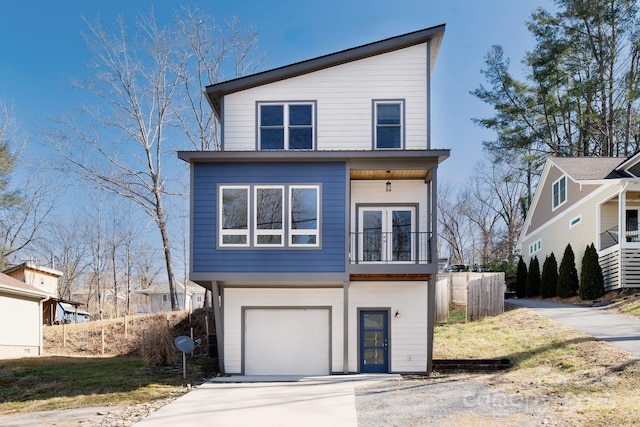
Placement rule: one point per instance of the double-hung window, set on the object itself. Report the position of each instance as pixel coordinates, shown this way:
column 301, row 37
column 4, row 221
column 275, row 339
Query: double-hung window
column 263, row 216
column 269, row 216
column 303, row 219
column 234, row 215
column 559, row 192
column 286, row 126
column 388, row 119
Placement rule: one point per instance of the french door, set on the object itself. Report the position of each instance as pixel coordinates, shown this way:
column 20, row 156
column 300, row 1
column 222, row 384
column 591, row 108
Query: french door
column 386, row 234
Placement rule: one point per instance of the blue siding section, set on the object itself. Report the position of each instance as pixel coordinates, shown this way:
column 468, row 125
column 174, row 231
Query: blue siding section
column 330, row 257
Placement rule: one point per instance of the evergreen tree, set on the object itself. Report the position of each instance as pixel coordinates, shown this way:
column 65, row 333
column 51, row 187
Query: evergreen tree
column 521, row 279
column 591, row 279
column 567, row 274
column 533, row 278
column 549, row 278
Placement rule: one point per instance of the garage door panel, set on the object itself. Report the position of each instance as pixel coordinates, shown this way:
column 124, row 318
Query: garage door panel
column 287, row 341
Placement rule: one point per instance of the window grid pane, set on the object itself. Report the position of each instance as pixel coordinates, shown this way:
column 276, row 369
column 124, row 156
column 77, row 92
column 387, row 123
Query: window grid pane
column 388, row 121
column 290, row 128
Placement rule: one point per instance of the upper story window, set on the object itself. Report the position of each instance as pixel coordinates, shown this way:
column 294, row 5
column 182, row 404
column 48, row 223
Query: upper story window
column 388, row 119
column 559, row 192
column 286, row 126
column 256, row 215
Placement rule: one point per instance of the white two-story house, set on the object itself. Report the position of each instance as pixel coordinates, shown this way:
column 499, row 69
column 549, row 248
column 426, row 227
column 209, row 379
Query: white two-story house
column 315, row 224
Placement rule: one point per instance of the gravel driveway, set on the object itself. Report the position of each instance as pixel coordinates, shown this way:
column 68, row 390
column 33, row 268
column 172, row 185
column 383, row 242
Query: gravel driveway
column 451, row 400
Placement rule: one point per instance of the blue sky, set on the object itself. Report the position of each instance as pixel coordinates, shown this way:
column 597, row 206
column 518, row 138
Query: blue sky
column 41, row 49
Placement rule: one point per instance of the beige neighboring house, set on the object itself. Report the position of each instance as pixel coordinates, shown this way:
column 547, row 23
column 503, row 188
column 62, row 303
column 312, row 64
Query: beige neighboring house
column 43, row 278
column 21, row 318
column 156, row 298
column 588, row 200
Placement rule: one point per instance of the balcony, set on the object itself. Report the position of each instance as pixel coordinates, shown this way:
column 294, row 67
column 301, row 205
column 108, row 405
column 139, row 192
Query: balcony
column 391, row 254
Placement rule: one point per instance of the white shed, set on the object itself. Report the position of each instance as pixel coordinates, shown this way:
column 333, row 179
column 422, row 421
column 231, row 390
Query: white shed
column 21, row 318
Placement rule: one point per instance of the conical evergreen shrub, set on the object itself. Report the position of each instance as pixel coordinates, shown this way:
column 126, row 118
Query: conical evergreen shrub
column 567, row 274
column 591, row 279
column 549, row 278
column 521, row 279
column 533, row 278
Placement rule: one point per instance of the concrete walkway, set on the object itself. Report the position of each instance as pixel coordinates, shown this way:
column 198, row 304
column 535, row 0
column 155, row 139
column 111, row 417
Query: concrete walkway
column 266, row 401
column 617, row 329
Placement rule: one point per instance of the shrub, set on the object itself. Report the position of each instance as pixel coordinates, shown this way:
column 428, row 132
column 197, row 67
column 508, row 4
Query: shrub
column 533, row 278
column 549, row 278
column 591, row 279
column 567, row 274
column 157, row 346
column 521, row 279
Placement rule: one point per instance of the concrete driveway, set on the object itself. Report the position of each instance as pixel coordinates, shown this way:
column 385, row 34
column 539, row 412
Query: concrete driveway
column 266, row 401
column 617, row 329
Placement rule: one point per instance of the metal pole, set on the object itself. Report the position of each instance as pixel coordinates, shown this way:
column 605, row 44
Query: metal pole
column 184, row 366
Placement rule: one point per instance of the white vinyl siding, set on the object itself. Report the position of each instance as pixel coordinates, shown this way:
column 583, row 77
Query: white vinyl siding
column 20, row 334
column 407, row 333
column 343, row 96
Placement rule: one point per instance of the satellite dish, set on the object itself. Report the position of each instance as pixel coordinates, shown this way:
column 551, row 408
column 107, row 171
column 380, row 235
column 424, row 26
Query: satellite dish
column 185, row 344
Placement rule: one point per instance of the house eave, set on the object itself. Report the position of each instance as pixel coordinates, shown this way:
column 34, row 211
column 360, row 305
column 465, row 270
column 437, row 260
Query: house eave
column 315, row 156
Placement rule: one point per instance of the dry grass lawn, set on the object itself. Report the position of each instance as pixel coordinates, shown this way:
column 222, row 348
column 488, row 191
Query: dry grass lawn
column 583, row 381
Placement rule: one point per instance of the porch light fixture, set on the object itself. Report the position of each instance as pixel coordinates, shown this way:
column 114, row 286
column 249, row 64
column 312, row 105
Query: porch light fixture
column 397, row 314
column 388, row 182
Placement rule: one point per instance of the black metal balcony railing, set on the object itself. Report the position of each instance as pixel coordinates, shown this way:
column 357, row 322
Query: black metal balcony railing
column 376, row 247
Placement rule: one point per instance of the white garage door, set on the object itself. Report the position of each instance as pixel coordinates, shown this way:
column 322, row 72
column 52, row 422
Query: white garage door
column 287, row 342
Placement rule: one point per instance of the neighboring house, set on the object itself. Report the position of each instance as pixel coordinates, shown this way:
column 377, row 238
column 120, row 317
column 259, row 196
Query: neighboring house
column 156, row 298
column 21, row 318
column 588, row 200
column 43, row 278
column 57, row 311
column 315, row 225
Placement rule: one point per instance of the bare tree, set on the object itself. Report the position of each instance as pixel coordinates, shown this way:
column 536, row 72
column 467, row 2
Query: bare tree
column 147, row 88
column 63, row 244
column 22, row 211
column 455, row 230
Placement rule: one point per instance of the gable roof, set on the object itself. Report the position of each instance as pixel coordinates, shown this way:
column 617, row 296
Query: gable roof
column 217, row 91
column 589, row 168
column 15, row 286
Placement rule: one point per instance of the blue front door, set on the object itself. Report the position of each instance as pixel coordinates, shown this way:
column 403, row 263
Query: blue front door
column 374, row 341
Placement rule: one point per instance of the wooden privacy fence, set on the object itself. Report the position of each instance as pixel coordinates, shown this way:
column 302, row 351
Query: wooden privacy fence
column 481, row 293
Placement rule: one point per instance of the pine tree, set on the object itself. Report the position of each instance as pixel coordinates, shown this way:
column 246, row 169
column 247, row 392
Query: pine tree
column 591, row 279
column 567, row 274
column 549, row 278
column 521, row 279
column 533, row 278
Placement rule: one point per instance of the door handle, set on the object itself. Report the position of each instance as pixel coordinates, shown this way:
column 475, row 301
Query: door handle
column 386, row 345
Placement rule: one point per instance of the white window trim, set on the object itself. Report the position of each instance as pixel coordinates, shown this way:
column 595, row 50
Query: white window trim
column 377, row 102
column 575, row 221
column 304, row 232
column 233, row 232
column 285, row 111
column 535, row 247
column 560, row 201
column 267, row 232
